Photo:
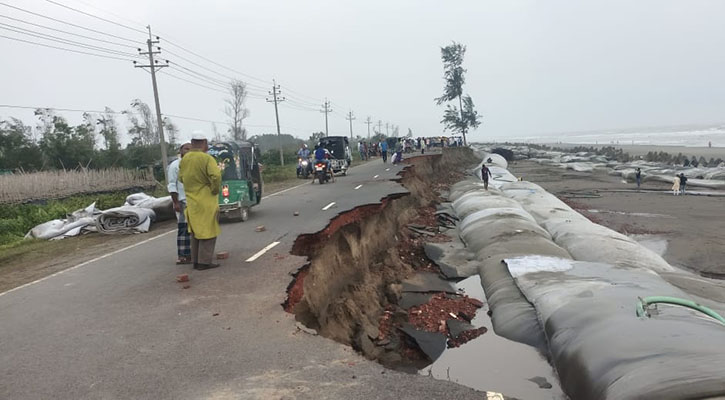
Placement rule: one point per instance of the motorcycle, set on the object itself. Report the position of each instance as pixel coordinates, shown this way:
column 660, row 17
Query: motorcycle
column 322, row 174
column 304, row 167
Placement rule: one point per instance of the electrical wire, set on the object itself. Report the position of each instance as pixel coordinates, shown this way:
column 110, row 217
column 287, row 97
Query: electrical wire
column 86, row 46
column 69, row 23
column 95, row 16
column 68, row 33
column 63, row 48
column 211, row 70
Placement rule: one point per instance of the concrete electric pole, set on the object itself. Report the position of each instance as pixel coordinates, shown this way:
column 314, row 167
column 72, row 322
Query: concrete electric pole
column 368, row 121
column 387, row 129
column 153, row 66
column 326, row 109
column 275, row 92
column 380, row 126
column 350, row 118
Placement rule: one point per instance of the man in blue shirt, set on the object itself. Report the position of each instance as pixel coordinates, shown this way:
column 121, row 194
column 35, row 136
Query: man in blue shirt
column 303, row 152
column 321, row 155
column 384, row 150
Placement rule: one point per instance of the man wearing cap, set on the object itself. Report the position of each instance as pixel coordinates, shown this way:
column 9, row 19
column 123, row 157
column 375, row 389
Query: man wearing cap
column 202, row 178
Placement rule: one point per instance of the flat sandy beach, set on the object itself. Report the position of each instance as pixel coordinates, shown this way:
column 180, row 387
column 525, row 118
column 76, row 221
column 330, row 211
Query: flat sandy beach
column 688, row 230
column 641, row 150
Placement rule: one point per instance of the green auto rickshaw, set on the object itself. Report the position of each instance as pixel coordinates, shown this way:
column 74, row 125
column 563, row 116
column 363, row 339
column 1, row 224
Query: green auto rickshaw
column 241, row 178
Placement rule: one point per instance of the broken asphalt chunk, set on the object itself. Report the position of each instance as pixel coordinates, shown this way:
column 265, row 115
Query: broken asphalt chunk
column 432, row 344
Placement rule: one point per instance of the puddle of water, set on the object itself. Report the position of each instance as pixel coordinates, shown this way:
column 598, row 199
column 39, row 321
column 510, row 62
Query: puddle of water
column 656, row 243
column 493, row 363
column 635, row 214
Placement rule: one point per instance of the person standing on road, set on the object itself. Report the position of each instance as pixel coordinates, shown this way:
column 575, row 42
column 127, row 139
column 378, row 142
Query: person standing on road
column 683, row 182
column 676, row 185
column 202, row 178
column 485, row 174
column 638, row 177
column 176, row 190
column 384, row 150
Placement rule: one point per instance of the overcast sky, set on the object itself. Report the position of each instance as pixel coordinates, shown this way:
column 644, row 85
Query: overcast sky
column 533, row 66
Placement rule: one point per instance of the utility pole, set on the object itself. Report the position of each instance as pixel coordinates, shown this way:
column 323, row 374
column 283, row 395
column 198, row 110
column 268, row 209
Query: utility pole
column 350, row 118
column 368, row 121
column 153, row 66
column 380, row 126
column 326, row 109
column 275, row 99
column 387, row 129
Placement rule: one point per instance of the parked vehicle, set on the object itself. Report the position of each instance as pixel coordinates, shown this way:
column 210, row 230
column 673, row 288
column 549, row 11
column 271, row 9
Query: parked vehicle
column 340, row 155
column 241, row 178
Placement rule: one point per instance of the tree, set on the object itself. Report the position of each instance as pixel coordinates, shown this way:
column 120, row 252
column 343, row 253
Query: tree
column 454, row 75
column 143, row 131
column 316, row 136
column 410, row 133
column 172, row 132
column 109, row 130
column 17, row 148
column 456, row 121
column 236, row 111
column 67, row 147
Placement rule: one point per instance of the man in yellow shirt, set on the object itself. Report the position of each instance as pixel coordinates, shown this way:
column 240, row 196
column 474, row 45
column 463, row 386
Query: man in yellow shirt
column 202, row 178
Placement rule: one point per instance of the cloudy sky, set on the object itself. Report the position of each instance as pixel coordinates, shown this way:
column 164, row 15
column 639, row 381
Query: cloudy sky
column 533, row 67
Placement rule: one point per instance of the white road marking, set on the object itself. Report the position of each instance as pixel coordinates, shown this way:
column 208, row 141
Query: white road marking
column 327, row 207
column 88, row 262
column 358, row 187
column 387, row 169
column 260, row 253
column 376, row 176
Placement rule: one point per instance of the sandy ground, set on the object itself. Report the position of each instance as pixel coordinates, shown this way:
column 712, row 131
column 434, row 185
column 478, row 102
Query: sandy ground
column 641, row 150
column 693, row 226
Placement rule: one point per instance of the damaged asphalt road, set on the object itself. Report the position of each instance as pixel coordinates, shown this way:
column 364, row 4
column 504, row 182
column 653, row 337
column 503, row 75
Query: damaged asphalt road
column 122, row 327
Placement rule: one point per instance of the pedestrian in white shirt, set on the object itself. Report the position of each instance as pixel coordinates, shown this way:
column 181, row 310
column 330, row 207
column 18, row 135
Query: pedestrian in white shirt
column 176, row 190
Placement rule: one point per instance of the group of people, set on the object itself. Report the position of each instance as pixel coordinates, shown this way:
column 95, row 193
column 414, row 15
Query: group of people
column 194, row 184
column 679, row 184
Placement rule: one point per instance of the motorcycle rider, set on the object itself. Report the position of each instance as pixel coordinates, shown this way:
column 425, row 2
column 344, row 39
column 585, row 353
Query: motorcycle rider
column 304, row 154
column 321, row 155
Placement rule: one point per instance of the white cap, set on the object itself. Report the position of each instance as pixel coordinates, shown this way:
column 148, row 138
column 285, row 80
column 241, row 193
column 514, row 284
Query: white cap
column 198, row 135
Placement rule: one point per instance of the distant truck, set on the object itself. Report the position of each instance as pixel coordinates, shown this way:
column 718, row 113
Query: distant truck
column 340, row 155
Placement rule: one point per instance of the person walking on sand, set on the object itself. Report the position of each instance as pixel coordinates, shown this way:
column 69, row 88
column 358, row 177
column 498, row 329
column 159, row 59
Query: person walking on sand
column 485, row 174
column 638, row 177
column 676, row 185
column 202, row 178
column 178, row 197
column 683, row 182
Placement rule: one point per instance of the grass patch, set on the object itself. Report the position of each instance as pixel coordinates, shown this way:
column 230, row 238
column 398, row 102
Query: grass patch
column 279, row 173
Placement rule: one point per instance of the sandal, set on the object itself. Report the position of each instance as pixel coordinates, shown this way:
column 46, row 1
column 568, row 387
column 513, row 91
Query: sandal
column 183, row 260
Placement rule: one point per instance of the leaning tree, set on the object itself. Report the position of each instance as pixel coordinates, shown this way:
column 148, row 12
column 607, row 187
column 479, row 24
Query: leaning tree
column 462, row 117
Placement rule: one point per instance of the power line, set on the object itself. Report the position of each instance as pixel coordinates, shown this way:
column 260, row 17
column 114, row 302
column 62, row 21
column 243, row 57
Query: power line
column 68, row 33
column 69, row 23
column 214, row 62
column 211, row 70
column 44, row 36
column 95, row 16
column 63, row 48
column 124, row 113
